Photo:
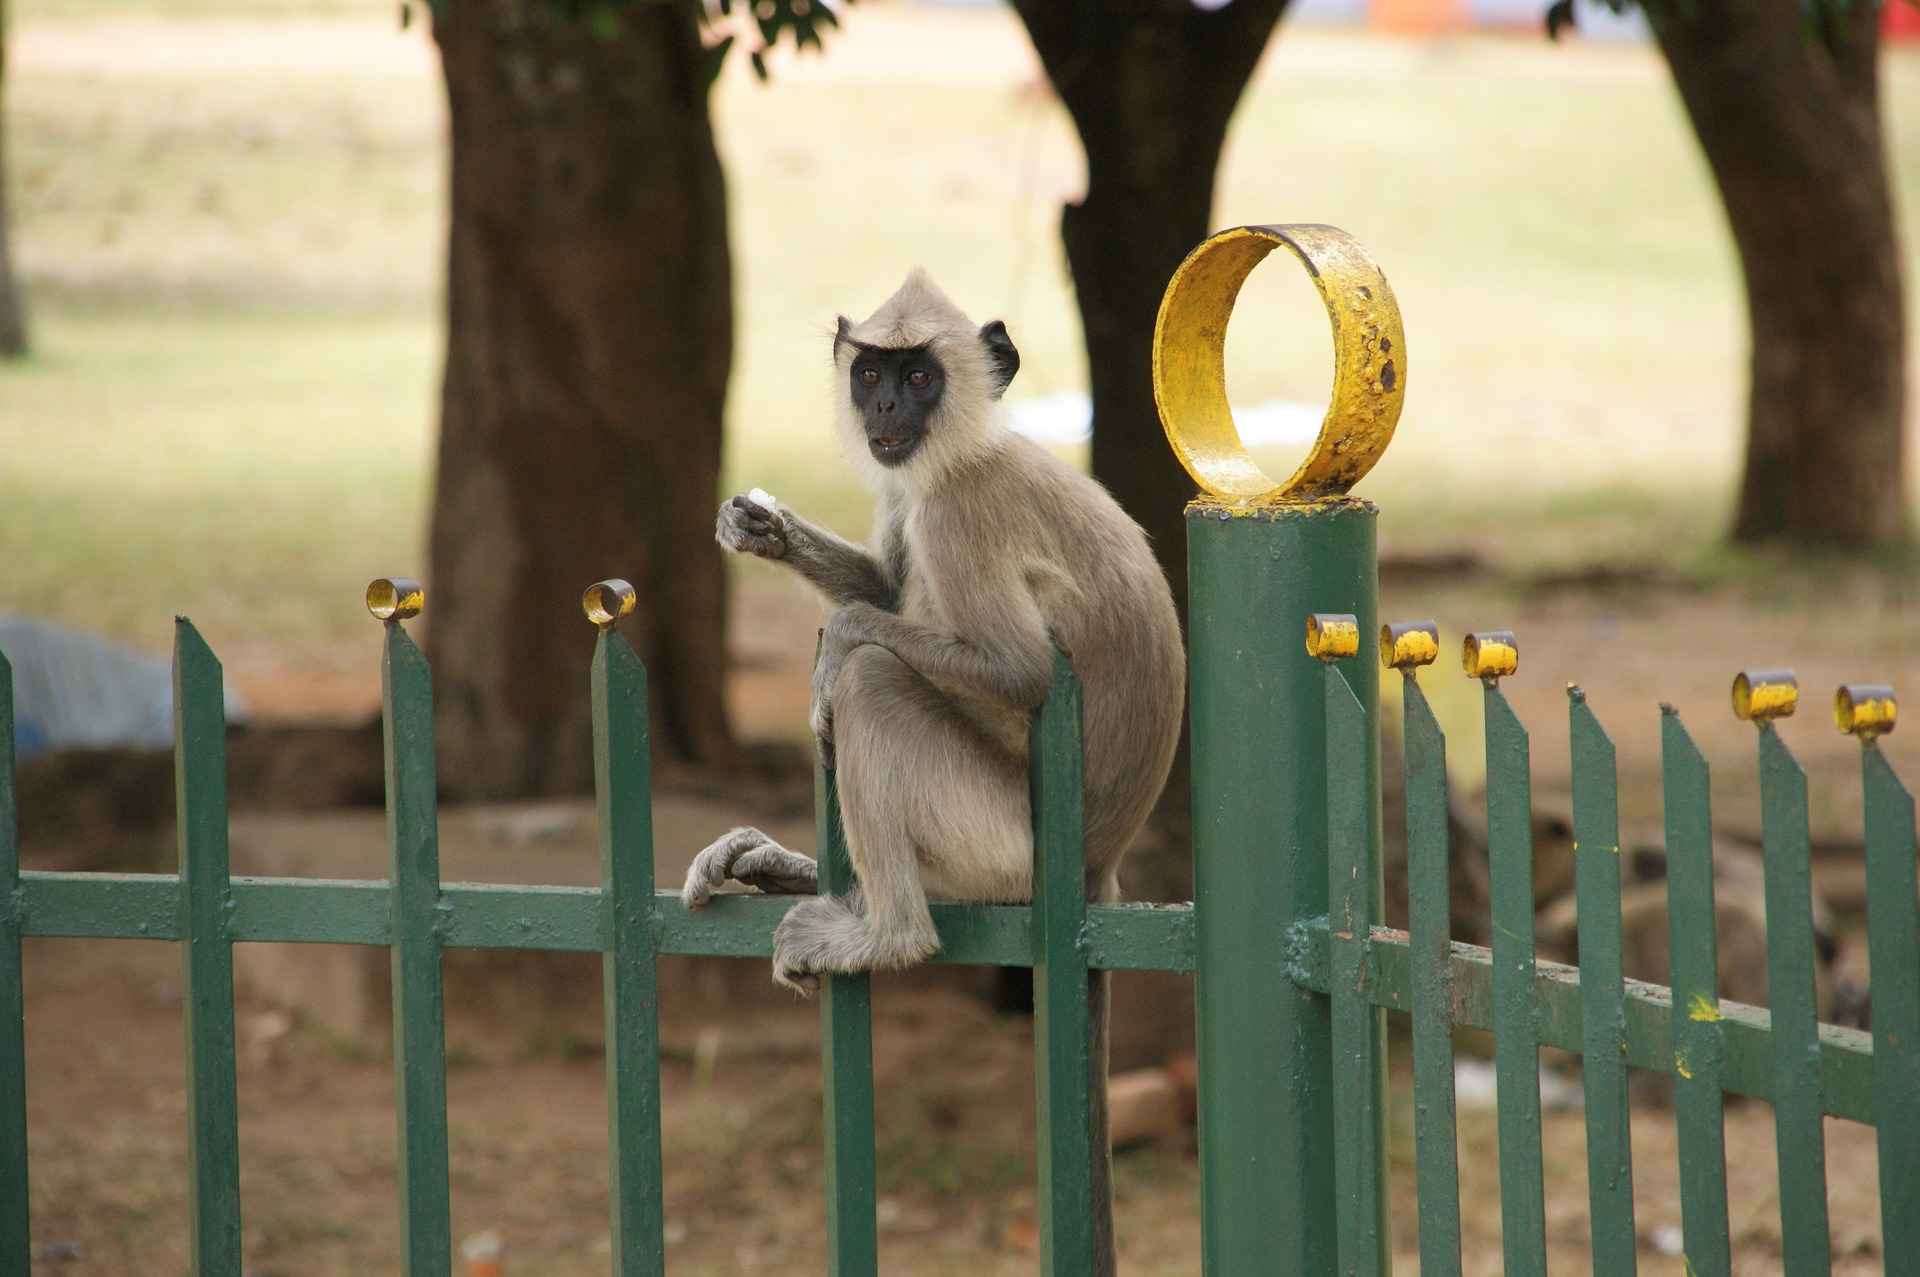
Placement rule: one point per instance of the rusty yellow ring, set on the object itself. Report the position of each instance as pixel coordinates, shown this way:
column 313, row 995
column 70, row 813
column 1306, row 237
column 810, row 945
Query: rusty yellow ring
column 1409, row 645
column 1190, row 371
column 1759, row 696
column 1865, row 710
column 1332, row 636
column 1490, row 654
column 395, row 598
column 606, row 602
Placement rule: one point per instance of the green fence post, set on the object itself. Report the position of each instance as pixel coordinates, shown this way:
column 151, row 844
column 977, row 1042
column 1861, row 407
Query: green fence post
column 623, row 792
column 1516, row 1042
column 419, row 1011
column 1359, row 1027
column 1893, row 950
column 1762, row 696
column 1699, row 1052
column 1064, row 1068
column 16, row 1247
column 1261, row 557
column 200, row 795
column 1429, row 951
column 1260, row 866
column 1603, row 1039
column 846, row 1063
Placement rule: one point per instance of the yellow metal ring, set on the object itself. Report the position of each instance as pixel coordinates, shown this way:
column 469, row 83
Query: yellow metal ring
column 1490, row 654
column 1332, row 636
column 1865, row 710
column 605, row 602
column 1408, row 645
column 1760, row 696
column 1190, row 371
column 395, row 598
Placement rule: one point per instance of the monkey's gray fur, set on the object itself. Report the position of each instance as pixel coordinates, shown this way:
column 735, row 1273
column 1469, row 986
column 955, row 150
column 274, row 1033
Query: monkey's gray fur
column 990, row 552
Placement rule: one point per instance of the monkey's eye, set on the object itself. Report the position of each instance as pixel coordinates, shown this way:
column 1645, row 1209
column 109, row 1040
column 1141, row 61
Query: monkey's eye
column 918, row 378
column 869, row 377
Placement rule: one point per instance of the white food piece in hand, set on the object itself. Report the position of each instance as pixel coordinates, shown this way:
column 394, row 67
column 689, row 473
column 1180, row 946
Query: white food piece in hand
column 761, row 497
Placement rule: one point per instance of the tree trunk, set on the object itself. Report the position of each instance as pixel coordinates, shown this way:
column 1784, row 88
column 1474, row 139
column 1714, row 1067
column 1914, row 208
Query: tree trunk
column 1790, row 124
column 1151, row 86
column 13, row 321
column 589, row 340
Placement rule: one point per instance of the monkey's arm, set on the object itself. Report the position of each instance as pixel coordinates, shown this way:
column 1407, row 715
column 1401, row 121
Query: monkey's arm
column 838, row 568
column 1010, row 659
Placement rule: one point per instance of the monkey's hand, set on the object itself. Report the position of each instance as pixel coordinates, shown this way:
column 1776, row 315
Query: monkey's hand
column 752, row 523
column 749, row 856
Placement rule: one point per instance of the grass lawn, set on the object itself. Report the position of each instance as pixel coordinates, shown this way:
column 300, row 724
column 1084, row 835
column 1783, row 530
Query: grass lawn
column 230, row 224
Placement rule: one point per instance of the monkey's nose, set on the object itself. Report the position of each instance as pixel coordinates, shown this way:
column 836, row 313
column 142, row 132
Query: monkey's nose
column 886, row 405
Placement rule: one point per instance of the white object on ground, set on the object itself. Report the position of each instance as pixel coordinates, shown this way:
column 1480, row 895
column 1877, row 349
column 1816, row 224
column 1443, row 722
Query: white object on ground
column 761, row 497
column 1067, row 417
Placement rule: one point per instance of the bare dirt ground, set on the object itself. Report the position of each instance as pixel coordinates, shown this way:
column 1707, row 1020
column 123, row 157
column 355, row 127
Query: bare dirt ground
column 742, row 1138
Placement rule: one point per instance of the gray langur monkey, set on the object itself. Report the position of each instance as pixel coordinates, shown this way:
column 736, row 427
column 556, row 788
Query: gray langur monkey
column 990, row 551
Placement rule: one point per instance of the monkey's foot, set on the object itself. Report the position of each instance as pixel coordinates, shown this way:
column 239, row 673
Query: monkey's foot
column 828, row 935
column 749, row 856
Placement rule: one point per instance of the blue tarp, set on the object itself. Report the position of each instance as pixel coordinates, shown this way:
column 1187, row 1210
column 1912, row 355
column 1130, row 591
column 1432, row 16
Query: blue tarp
column 74, row 690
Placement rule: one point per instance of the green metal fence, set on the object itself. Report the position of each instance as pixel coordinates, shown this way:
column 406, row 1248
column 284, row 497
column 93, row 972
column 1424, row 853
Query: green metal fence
column 1294, row 975
column 1331, row 970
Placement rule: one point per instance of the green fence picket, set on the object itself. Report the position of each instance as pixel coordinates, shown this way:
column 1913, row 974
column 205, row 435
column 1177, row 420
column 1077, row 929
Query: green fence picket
column 1596, row 840
column 623, row 791
column 1359, row 1029
column 1516, row 1047
column 846, row 1057
column 200, row 797
column 1798, row 1129
column 1698, row 1044
column 16, row 1245
column 419, row 1011
column 1429, row 912
column 1063, row 1063
column 1893, row 939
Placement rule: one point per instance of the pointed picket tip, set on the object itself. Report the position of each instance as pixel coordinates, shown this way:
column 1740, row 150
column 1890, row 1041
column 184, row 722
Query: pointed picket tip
column 1674, row 734
column 1585, row 725
column 192, row 655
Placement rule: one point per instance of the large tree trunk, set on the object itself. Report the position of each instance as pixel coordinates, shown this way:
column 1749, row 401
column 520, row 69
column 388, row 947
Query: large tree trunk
column 1790, row 123
column 589, row 340
column 1151, row 86
column 13, row 322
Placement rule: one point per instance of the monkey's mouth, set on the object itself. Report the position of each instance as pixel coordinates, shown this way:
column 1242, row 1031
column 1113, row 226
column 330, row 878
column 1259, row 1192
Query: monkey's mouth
column 892, row 449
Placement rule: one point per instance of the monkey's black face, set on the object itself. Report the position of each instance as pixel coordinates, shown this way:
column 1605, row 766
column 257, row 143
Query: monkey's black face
column 896, row 392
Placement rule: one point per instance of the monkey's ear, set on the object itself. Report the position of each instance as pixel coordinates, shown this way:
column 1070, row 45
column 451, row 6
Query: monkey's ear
column 842, row 332
column 1005, row 356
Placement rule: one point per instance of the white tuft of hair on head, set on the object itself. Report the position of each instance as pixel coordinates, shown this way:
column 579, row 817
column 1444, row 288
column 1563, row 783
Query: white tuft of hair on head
column 970, row 421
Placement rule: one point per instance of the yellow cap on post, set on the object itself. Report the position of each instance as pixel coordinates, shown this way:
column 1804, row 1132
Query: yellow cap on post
column 1490, row 654
column 1190, row 364
column 606, row 602
column 1866, row 710
column 395, row 598
column 1332, row 636
column 1409, row 644
column 1760, row 696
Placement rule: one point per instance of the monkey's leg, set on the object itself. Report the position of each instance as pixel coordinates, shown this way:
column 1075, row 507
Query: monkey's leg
column 926, row 799
column 749, row 856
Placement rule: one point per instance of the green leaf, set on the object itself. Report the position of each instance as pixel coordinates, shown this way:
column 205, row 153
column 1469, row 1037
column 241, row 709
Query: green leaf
column 604, row 22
